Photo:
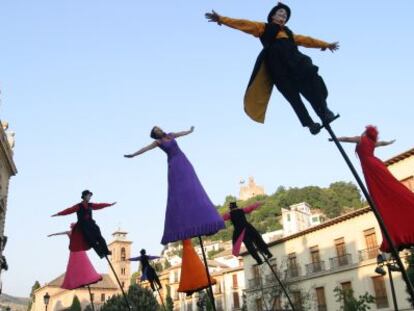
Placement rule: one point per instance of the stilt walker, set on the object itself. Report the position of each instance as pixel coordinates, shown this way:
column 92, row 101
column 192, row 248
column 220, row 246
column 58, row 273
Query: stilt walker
column 377, row 178
column 88, row 232
column 190, row 212
column 281, row 64
column 244, row 232
column 148, row 273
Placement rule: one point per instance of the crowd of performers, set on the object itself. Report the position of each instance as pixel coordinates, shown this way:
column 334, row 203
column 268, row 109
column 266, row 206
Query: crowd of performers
column 191, row 214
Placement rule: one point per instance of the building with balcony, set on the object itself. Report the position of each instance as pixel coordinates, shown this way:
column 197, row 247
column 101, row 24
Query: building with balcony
column 338, row 253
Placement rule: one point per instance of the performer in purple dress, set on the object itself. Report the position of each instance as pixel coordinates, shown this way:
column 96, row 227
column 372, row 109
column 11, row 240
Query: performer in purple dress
column 190, row 212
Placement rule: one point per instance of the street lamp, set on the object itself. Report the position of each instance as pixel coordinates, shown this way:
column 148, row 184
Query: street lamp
column 389, row 262
column 46, row 299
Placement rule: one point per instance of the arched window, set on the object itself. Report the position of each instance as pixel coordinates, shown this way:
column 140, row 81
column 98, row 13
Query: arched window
column 123, row 254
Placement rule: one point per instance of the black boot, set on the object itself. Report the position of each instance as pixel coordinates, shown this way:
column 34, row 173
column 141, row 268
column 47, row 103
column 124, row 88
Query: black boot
column 314, row 128
column 328, row 117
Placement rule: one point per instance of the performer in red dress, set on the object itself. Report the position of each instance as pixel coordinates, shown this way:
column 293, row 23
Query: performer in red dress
column 394, row 201
column 86, row 233
column 79, row 271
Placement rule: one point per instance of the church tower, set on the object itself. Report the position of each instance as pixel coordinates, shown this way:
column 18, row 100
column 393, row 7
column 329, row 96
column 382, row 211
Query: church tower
column 121, row 252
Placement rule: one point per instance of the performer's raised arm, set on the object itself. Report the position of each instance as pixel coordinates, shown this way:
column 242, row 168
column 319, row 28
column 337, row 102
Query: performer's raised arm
column 142, row 150
column 96, row 206
column 59, row 233
column 347, row 139
column 135, row 258
column 183, row 133
column 67, row 211
column 384, row 143
column 251, row 208
column 310, row 42
column 254, row 28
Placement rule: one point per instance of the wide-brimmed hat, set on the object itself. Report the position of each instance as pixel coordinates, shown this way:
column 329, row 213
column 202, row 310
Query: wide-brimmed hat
column 272, row 12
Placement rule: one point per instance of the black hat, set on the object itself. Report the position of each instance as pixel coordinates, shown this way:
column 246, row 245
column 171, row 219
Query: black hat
column 142, row 251
column 233, row 205
column 85, row 193
column 272, row 12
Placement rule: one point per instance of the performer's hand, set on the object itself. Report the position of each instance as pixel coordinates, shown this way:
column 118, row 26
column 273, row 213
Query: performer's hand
column 128, row 156
column 112, row 204
column 191, row 129
column 54, row 215
column 213, row 17
column 330, row 139
column 332, row 47
column 391, row 142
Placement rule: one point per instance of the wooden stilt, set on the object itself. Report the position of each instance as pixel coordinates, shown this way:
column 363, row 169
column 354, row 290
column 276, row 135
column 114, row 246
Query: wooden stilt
column 208, row 274
column 119, row 284
column 91, row 298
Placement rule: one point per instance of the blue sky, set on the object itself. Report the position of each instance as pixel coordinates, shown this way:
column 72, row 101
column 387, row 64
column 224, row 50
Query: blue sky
column 83, row 83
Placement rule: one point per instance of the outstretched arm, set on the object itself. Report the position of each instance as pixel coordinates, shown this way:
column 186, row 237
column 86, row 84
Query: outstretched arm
column 183, row 133
column 59, row 233
column 251, row 208
column 384, row 143
column 310, row 42
column 135, row 258
column 68, row 211
column 345, row 139
column 96, row 206
column 226, row 216
column 142, row 150
column 254, row 28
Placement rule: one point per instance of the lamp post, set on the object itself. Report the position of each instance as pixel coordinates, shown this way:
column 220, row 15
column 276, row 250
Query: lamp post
column 389, row 262
column 46, row 299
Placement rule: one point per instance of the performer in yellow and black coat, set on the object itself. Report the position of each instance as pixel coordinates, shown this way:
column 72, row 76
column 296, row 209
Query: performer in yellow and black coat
column 282, row 64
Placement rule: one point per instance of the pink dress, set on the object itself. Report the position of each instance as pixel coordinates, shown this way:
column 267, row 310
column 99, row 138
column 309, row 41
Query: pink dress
column 79, row 271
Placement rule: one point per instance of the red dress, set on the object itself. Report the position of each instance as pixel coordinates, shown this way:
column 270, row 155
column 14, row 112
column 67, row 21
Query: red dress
column 394, row 201
column 79, row 271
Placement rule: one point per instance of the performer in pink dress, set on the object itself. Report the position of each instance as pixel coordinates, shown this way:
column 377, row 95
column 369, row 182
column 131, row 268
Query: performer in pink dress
column 79, row 271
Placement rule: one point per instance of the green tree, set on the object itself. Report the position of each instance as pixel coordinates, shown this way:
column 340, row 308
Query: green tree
column 35, row 286
column 349, row 302
column 410, row 271
column 76, row 305
column 141, row 299
column 135, row 277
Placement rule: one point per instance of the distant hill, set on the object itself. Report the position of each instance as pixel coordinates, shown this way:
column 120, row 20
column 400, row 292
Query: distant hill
column 15, row 303
column 338, row 198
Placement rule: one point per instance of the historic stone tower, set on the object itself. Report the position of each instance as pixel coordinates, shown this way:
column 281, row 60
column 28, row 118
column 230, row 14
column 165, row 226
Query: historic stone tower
column 121, row 251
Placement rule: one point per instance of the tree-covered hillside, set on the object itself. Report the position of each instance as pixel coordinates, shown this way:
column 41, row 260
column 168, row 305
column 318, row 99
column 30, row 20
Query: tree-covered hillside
column 333, row 201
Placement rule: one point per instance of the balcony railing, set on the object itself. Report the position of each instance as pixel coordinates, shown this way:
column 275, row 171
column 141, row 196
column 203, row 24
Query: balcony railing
column 254, row 283
column 322, row 308
column 368, row 253
column 315, row 267
column 340, row 261
column 293, row 271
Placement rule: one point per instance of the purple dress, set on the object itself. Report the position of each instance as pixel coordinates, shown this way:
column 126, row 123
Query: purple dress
column 190, row 212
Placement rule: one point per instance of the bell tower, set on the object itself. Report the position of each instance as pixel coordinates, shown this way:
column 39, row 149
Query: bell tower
column 121, row 252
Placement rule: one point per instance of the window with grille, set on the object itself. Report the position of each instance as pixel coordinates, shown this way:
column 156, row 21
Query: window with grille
column 381, row 298
column 320, row 298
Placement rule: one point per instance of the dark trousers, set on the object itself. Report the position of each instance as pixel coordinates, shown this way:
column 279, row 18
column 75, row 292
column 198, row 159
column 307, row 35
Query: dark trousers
column 94, row 238
column 312, row 87
column 254, row 242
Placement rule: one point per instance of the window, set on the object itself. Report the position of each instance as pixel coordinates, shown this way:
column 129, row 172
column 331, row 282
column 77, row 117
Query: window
column 288, row 217
column 381, row 298
column 123, row 254
column 123, row 284
column 341, row 252
column 371, row 242
column 102, row 297
column 316, row 258
column 347, row 288
column 259, row 305
column 235, row 281
column 277, row 303
column 320, row 298
column 92, row 296
column 123, row 271
column 256, row 273
column 236, row 300
column 292, row 265
column 297, row 300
